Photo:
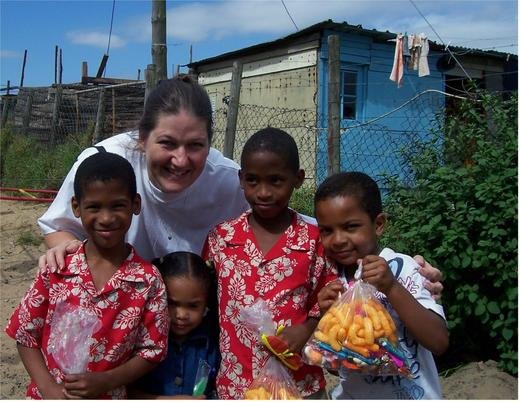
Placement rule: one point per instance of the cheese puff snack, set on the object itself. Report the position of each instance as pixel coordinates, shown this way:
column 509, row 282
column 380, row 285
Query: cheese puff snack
column 273, row 382
column 357, row 333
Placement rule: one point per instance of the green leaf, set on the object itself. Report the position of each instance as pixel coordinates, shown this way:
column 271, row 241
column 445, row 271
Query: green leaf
column 480, row 309
column 507, row 333
column 472, row 297
column 493, row 308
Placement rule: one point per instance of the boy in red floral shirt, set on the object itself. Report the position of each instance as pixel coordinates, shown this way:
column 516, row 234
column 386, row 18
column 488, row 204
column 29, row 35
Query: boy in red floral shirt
column 106, row 277
column 269, row 252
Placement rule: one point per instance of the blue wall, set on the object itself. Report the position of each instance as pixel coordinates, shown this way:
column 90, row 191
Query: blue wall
column 374, row 148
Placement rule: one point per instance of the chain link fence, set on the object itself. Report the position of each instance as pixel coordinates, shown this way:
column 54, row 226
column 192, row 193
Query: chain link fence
column 381, row 145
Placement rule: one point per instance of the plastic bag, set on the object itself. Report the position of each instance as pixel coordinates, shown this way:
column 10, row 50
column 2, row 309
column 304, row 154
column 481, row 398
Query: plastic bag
column 273, row 382
column 357, row 333
column 259, row 319
column 70, row 332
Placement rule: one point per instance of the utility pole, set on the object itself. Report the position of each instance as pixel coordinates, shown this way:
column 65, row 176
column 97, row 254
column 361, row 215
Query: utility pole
column 159, row 38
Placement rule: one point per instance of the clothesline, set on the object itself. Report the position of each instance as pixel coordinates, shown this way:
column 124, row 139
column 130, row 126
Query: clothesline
column 411, row 51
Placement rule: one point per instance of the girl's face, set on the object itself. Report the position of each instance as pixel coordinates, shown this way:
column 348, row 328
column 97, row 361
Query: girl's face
column 346, row 230
column 268, row 183
column 176, row 151
column 187, row 301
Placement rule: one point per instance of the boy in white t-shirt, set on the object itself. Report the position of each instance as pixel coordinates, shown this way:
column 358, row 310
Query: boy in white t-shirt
column 351, row 220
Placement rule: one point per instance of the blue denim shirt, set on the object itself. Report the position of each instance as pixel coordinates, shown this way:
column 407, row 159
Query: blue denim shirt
column 175, row 375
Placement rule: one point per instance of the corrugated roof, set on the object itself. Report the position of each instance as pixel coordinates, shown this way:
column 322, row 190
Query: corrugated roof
column 378, row 36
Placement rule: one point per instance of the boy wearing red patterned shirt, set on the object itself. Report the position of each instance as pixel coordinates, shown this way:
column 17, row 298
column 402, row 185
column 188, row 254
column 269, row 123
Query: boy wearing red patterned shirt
column 108, row 278
column 269, row 252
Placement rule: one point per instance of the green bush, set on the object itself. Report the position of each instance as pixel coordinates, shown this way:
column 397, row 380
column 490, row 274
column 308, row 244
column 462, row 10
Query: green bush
column 27, row 163
column 302, row 200
column 461, row 213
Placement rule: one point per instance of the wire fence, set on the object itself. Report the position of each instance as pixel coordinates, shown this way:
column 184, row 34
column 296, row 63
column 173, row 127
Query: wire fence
column 383, row 145
column 379, row 146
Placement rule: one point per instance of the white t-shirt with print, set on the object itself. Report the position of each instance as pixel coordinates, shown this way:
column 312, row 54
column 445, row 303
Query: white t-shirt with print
column 424, row 383
column 167, row 222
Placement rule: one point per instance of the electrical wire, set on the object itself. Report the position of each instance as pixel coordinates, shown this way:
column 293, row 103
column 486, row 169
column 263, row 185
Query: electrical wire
column 289, row 14
column 111, row 23
column 442, row 41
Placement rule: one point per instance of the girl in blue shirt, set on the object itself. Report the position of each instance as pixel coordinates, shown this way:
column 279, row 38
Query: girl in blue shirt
column 193, row 337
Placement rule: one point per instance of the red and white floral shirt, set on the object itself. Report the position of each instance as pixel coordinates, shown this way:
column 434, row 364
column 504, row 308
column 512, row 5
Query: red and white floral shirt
column 288, row 278
column 132, row 307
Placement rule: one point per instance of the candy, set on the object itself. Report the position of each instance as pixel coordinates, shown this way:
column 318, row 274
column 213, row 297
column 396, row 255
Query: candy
column 360, row 334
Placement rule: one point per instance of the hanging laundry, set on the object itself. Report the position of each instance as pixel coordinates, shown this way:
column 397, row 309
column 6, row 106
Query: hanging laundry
column 406, row 50
column 397, row 69
column 423, row 67
column 415, row 52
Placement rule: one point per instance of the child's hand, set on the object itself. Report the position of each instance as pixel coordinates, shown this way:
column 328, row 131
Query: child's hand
column 85, row 385
column 52, row 391
column 377, row 272
column 298, row 335
column 328, row 295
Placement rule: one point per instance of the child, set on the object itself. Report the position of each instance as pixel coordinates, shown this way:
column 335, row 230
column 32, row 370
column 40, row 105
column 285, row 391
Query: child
column 106, row 276
column 192, row 304
column 268, row 252
column 350, row 219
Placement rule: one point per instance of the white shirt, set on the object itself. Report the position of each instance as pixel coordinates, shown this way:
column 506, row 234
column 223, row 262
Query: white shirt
column 168, row 221
column 425, row 382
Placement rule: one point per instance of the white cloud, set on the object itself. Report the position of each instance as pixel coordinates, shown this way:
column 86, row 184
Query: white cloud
column 96, row 39
column 465, row 22
column 10, row 54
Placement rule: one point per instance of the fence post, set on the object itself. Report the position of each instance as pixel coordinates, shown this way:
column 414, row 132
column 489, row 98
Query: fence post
column 55, row 115
column 113, row 111
column 27, row 114
column 99, row 117
column 333, row 139
column 232, row 116
column 150, row 78
column 76, row 101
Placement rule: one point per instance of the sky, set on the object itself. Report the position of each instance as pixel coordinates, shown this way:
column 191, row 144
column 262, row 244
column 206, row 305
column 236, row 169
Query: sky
column 85, row 30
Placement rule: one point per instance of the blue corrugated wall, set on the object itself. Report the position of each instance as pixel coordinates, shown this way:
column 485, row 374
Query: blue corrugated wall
column 374, row 148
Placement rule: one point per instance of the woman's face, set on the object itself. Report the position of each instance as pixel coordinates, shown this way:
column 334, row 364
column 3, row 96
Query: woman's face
column 187, row 300
column 176, row 151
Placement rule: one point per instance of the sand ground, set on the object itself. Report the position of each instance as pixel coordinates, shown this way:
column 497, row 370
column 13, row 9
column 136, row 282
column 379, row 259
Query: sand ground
column 20, row 247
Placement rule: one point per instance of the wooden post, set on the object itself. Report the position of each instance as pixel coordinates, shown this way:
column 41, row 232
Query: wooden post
column 5, row 108
column 113, row 111
column 232, row 116
column 99, row 117
column 150, row 78
column 55, row 115
column 159, row 48
column 27, row 114
column 84, row 73
column 76, row 98
column 56, row 64
column 61, row 68
column 333, row 139
column 23, row 67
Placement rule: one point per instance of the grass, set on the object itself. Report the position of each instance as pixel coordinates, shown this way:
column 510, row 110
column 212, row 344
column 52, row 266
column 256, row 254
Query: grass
column 28, row 239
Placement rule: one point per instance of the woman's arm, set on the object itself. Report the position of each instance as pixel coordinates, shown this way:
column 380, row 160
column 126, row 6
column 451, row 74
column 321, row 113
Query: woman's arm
column 32, row 359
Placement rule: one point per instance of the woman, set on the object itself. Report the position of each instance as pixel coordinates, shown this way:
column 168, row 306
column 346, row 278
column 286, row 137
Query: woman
column 186, row 186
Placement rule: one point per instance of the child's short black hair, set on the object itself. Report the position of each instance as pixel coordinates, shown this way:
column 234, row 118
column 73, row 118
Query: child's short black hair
column 273, row 140
column 352, row 184
column 104, row 166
